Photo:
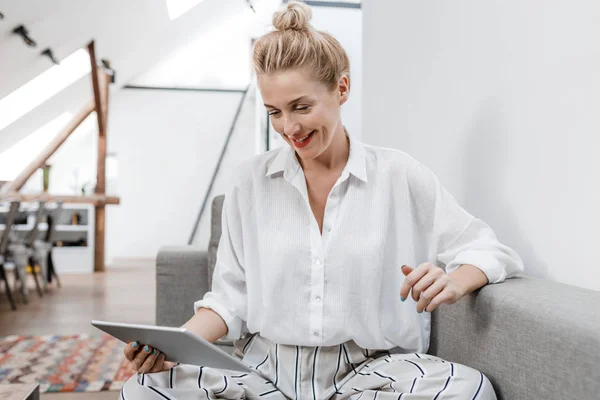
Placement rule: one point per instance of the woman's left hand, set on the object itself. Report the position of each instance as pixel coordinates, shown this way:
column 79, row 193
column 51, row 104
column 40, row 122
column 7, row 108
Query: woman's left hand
column 430, row 287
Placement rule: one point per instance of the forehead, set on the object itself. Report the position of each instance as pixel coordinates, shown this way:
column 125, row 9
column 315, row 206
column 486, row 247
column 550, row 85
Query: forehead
column 281, row 88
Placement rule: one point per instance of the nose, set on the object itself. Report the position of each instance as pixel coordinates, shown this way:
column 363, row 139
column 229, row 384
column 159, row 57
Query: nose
column 291, row 127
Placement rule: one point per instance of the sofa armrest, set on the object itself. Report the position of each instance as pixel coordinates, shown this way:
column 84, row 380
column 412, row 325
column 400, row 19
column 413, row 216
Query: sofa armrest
column 533, row 338
column 181, row 280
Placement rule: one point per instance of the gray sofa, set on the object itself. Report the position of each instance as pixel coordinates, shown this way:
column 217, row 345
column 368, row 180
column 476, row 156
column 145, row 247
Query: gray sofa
column 533, row 338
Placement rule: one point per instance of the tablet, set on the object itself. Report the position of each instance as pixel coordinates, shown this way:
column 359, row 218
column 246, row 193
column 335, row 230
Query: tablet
column 178, row 344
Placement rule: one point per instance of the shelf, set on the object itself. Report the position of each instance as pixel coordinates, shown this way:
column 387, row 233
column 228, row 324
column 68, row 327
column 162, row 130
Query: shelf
column 71, row 228
column 70, row 249
column 46, row 197
column 29, row 207
column 44, row 227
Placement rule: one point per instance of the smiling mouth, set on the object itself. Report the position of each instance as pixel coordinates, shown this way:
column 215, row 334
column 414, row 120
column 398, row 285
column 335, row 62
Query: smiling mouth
column 302, row 139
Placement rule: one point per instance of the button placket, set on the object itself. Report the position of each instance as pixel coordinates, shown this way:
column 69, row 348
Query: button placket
column 317, row 261
column 330, row 211
column 333, row 214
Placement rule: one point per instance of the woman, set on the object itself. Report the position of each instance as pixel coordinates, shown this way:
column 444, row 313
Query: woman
column 328, row 254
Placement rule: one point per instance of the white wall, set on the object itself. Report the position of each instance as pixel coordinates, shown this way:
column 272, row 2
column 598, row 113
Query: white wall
column 500, row 99
column 345, row 24
column 241, row 146
column 74, row 164
column 167, row 144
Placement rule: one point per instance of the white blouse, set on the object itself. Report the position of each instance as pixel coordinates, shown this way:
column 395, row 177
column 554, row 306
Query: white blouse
column 276, row 273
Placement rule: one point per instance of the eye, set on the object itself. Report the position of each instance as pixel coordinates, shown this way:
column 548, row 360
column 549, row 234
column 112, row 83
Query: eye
column 273, row 113
column 302, row 108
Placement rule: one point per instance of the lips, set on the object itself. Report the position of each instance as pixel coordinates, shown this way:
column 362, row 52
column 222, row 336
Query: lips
column 306, row 140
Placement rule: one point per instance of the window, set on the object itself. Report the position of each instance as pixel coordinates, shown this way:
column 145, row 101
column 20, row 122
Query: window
column 202, row 63
column 43, row 87
column 334, row 3
column 177, row 8
column 15, row 158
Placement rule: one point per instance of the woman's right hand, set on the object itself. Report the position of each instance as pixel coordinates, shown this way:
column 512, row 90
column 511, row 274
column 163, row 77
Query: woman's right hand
column 146, row 360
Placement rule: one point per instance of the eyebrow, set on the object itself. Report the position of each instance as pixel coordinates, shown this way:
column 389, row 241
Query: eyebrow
column 305, row 97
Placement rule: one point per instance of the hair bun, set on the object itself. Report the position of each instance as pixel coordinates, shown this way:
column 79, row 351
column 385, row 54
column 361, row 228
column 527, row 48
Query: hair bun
column 295, row 16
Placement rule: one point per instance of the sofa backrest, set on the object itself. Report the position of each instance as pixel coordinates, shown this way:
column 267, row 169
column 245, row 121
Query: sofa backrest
column 215, row 235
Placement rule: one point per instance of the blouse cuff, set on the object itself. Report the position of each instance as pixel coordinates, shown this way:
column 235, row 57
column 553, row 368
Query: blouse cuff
column 233, row 322
column 484, row 260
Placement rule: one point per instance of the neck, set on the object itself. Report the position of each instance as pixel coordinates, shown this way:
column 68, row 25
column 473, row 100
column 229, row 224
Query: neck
column 334, row 157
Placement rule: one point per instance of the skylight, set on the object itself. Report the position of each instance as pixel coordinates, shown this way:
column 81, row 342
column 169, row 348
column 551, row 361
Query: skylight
column 177, row 8
column 43, row 87
column 189, row 66
column 15, row 158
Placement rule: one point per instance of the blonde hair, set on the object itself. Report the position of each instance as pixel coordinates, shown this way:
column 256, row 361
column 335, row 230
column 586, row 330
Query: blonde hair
column 296, row 44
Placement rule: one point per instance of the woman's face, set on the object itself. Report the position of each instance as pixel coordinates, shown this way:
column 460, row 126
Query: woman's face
column 305, row 112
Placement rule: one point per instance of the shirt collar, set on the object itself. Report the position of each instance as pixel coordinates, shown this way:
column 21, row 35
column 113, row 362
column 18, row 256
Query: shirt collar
column 357, row 161
column 286, row 161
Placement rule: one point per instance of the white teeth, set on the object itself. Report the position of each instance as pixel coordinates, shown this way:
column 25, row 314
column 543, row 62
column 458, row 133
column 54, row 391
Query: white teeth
column 303, row 139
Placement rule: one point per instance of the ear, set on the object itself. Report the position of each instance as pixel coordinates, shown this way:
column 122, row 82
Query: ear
column 344, row 89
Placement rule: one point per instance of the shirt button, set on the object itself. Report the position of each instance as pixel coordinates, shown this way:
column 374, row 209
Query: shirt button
column 318, row 298
column 318, row 262
column 317, row 334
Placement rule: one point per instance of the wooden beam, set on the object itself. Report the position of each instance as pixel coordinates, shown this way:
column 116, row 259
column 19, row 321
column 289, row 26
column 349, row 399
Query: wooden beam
column 102, row 144
column 100, row 86
column 100, row 213
column 48, row 151
column 105, row 91
column 50, row 198
column 96, row 88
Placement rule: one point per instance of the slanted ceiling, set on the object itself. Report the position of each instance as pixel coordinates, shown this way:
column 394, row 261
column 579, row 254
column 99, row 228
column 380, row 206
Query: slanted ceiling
column 134, row 35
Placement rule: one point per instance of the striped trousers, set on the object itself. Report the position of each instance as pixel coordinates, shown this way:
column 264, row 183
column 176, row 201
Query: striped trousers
column 338, row 372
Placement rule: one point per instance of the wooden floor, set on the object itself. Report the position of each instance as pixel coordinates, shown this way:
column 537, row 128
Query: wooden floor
column 120, row 294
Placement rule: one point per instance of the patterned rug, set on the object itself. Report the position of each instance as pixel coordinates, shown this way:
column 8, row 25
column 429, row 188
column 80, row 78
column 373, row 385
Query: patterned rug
column 79, row 363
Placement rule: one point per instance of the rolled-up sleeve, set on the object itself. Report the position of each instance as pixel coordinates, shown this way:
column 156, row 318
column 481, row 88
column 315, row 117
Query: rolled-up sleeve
column 227, row 296
column 458, row 237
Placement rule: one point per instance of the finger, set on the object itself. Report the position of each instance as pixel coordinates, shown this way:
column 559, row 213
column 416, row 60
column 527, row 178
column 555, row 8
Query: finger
column 430, row 293
column 158, row 365
column 168, row 365
column 149, row 363
column 161, row 364
column 412, row 278
column 445, row 296
column 407, row 284
column 131, row 350
column 424, row 283
column 140, row 358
